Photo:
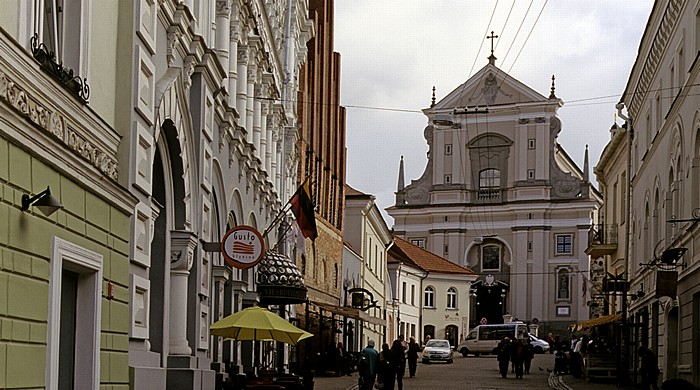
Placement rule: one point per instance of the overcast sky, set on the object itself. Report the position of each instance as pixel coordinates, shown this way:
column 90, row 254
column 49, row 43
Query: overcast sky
column 394, row 51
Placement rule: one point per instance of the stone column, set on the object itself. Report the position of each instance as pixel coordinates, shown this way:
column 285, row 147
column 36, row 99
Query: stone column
column 234, row 33
column 241, row 97
column 221, row 274
column 257, row 118
column 250, row 93
column 182, row 244
column 223, row 10
column 265, row 136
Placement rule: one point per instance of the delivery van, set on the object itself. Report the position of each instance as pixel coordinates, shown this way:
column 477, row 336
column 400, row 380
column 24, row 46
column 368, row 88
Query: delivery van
column 483, row 339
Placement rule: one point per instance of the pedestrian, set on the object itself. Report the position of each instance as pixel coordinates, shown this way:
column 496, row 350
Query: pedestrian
column 413, row 349
column 331, row 357
column 503, row 355
column 341, row 363
column 398, row 353
column 550, row 341
column 368, row 366
column 386, row 371
column 649, row 368
column 576, row 358
column 517, row 356
column 529, row 355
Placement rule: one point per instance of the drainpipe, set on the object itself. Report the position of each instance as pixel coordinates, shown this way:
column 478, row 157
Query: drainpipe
column 624, row 378
column 420, row 315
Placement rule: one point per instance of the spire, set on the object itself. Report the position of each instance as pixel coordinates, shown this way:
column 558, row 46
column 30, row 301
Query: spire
column 552, row 95
column 585, row 165
column 401, row 185
column 432, row 102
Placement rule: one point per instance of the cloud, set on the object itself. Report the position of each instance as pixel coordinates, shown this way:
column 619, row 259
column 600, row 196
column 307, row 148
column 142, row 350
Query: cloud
column 394, row 52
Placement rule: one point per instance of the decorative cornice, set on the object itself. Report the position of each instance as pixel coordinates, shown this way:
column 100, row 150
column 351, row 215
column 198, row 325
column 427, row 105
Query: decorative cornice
column 55, row 124
column 654, row 55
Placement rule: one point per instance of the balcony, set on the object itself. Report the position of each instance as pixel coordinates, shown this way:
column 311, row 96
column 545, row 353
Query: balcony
column 602, row 240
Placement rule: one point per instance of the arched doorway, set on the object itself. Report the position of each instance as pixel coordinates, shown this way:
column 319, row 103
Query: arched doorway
column 490, row 301
column 452, row 334
column 428, row 330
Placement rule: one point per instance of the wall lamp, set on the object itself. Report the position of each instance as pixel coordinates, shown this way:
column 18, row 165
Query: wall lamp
column 44, row 201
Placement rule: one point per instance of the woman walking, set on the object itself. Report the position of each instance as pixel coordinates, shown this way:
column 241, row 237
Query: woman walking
column 413, row 349
column 399, row 355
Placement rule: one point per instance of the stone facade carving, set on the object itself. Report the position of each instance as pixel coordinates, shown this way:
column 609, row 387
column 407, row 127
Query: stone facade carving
column 54, row 123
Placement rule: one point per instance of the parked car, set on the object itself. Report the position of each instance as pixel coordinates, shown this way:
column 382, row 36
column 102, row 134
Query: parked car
column 437, row 350
column 538, row 345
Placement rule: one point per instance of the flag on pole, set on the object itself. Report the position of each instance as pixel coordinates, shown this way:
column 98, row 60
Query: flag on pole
column 303, row 209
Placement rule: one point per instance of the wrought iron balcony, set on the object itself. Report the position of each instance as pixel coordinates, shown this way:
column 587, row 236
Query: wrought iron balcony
column 602, row 240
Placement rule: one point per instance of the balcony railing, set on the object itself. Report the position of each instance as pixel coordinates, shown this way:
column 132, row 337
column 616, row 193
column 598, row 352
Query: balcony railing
column 602, row 239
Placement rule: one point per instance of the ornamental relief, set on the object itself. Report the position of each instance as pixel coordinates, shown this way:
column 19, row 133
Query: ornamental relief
column 54, row 123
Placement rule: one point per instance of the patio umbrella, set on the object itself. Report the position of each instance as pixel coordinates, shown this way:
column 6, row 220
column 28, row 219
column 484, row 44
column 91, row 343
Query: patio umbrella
column 257, row 323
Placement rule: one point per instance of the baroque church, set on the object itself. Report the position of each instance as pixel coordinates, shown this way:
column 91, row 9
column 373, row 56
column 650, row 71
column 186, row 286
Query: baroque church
column 500, row 196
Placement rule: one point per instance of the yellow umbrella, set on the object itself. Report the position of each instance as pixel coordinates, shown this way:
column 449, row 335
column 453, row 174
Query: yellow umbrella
column 257, row 323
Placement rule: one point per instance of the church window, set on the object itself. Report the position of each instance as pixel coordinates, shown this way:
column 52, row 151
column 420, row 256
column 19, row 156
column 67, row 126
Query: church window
column 429, row 297
column 531, row 143
column 419, row 242
column 564, row 244
column 530, row 174
column 489, row 178
column 448, row 149
column 491, row 258
column 448, row 179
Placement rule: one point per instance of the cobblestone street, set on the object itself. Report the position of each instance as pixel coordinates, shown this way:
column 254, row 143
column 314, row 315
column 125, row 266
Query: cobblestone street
column 478, row 373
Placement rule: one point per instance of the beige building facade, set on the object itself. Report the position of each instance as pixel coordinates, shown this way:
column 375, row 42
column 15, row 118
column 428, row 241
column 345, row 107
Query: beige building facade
column 663, row 262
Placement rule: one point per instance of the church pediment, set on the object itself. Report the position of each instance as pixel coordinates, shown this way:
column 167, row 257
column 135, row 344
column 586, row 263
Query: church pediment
column 489, row 87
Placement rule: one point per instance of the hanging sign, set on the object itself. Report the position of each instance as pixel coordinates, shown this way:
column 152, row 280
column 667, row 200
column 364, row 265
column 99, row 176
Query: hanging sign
column 243, row 247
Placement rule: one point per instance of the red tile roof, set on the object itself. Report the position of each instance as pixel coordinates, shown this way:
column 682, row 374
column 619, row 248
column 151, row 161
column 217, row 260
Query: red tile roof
column 424, row 259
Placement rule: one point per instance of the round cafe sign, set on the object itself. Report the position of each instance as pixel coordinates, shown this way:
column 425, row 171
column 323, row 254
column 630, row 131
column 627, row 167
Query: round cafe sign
column 243, row 247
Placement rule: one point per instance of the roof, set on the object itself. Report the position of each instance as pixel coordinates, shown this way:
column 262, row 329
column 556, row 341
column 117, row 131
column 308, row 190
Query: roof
column 593, row 322
column 426, row 260
column 349, row 191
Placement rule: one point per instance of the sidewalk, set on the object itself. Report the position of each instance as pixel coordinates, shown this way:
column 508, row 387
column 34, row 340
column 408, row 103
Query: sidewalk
column 336, row 382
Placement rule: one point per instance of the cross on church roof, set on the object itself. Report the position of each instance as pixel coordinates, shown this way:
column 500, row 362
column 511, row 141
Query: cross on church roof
column 492, row 37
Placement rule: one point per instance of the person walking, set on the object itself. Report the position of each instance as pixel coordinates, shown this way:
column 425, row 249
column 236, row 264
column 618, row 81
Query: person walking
column 369, row 358
column 503, row 355
column 517, row 356
column 386, row 371
column 398, row 353
column 341, row 363
column 649, row 368
column 413, row 349
column 529, row 355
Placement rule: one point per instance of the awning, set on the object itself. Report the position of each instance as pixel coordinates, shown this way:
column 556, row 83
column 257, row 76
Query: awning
column 349, row 312
column 593, row 322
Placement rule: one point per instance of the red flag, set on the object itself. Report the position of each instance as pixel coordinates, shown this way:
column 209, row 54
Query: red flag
column 303, row 209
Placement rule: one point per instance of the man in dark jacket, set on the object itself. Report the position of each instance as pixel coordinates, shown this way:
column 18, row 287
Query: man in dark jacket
column 649, row 368
column 503, row 352
column 413, row 349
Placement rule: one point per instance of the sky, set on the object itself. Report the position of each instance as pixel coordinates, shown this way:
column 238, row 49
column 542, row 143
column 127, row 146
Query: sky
column 394, row 51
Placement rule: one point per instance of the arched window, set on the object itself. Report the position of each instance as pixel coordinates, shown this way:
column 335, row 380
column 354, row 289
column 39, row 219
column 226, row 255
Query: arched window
column 451, row 298
column 490, row 178
column 563, row 285
column 429, row 297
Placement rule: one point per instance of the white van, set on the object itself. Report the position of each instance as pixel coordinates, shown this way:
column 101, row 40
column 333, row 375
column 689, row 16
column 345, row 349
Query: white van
column 484, row 338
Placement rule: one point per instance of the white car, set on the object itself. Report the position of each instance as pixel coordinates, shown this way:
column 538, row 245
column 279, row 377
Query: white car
column 538, row 345
column 437, row 350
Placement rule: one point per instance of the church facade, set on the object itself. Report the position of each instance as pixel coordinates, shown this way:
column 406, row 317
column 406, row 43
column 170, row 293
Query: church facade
column 500, row 196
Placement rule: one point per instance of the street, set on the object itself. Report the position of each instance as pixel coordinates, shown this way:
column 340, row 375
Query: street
column 477, row 373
